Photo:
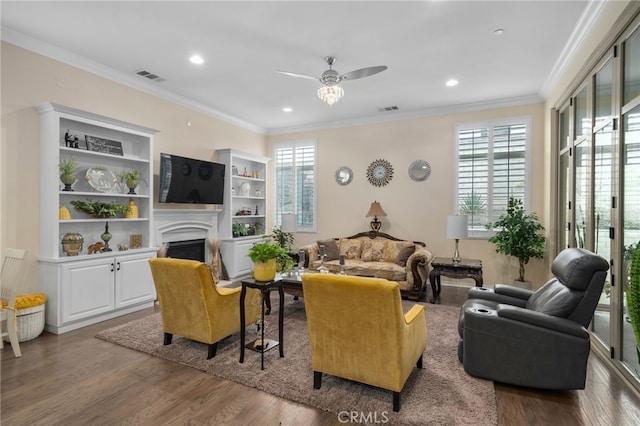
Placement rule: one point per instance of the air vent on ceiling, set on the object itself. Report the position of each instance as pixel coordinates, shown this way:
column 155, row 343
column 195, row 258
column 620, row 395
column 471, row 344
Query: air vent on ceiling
column 389, row 108
column 150, row 76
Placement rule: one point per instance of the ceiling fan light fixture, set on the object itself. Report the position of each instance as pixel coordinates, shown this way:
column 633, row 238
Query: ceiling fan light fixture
column 330, row 94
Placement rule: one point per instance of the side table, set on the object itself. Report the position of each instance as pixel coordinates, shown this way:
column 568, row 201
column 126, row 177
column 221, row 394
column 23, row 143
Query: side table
column 265, row 288
column 466, row 268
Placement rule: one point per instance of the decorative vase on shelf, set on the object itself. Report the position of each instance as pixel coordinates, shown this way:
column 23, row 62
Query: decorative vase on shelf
column 68, row 179
column 72, row 243
column 132, row 212
column 106, row 236
column 132, row 184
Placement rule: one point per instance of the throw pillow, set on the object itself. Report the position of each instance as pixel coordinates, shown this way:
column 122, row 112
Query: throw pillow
column 351, row 248
column 373, row 250
column 330, row 249
column 404, row 255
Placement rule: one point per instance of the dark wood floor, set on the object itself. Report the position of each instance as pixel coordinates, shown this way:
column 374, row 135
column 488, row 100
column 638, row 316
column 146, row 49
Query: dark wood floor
column 76, row 379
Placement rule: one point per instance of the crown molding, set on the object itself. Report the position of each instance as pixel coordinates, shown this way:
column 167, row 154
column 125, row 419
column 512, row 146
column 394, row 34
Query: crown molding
column 397, row 116
column 77, row 61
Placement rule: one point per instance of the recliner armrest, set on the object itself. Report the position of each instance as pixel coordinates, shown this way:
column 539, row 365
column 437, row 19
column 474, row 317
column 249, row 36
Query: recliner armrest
column 540, row 319
column 511, row 291
column 483, row 293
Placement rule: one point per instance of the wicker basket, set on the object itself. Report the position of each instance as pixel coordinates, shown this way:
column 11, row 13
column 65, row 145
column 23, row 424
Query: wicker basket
column 30, row 323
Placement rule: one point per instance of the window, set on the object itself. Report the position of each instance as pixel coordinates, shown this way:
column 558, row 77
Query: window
column 295, row 181
column 492, row 166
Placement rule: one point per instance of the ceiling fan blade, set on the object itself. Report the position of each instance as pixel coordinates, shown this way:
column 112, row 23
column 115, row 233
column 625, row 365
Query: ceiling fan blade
column 296, row 75
column 363, row 72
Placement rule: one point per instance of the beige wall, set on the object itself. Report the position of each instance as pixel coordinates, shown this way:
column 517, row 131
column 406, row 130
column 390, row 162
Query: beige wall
column 416, row 210
column 29, row 79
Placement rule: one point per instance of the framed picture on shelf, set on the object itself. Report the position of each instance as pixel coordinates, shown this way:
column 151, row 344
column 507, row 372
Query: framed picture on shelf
column 103, row 145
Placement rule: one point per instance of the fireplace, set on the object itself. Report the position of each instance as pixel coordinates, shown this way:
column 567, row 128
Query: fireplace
column 189, row 249
column 186, row 231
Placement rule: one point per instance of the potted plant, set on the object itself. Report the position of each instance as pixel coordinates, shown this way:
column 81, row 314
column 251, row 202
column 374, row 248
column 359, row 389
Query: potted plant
column 266, row 256
column 99, row 209
column 519, row 235
column 239, row 230
column 632, row 291
column 284, row 239
column 132, row 178
column 68, row 169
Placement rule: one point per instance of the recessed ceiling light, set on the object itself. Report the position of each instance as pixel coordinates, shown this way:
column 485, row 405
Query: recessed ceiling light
column 452, row 82
column 499, row 31
column 287, row 109
column 196, row 59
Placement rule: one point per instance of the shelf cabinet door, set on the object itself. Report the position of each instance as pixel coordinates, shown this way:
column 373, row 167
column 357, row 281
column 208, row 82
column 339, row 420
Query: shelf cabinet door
column 134, row 283
column 87, row 289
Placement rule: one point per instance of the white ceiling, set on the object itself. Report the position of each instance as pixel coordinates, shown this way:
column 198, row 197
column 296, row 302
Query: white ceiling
column 424, row 43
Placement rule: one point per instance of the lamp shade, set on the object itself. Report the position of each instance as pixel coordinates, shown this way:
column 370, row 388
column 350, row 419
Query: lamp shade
column 457, row 226
column 375, row 210
column 289, row 222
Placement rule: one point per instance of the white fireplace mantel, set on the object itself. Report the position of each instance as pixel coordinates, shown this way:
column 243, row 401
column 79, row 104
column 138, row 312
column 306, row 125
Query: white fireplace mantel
column 184, row 224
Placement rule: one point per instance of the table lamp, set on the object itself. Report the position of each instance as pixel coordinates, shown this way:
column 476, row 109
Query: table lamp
column 289, row 222
column 375, row 210
column 457, row 228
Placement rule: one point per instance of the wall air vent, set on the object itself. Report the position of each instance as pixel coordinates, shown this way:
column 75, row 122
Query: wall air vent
column 150, row 76
column 389, row 108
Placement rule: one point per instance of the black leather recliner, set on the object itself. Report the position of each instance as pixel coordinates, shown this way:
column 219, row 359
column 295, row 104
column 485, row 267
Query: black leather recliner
column 534, row 339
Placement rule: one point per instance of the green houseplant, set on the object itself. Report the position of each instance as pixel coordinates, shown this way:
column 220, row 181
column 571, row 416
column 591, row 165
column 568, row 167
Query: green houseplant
column 99, row 209
column 284, row 239
column 268, row 256
column 632, row 291
column 519, row 235
column 132, row 178
column 68, row 169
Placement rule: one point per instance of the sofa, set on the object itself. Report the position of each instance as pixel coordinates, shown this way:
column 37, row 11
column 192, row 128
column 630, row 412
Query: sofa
column 376, row 254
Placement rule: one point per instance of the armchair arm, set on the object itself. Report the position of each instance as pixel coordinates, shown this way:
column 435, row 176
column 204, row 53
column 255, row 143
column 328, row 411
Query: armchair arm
column 413, row 313
column 511, row 291
column 484, row 293
column 539, row 319
column 418, row 268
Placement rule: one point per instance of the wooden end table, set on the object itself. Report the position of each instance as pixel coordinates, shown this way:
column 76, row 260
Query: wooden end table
column 265, row 289
column 466, row 268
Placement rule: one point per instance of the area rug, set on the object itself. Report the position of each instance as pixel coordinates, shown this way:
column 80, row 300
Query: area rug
column 439, row 394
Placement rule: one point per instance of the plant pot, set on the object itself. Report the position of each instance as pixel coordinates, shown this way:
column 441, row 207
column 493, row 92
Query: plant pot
column 132, row 184
column 264, row 271
column 68, row 179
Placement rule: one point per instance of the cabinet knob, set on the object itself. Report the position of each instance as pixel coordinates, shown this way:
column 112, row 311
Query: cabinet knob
column 111, row 266
column 118, row 266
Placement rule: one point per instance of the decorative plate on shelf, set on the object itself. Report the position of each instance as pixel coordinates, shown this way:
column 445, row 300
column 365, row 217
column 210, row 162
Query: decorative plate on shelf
column 419, row 170
column 101, row 179
column 379, row 172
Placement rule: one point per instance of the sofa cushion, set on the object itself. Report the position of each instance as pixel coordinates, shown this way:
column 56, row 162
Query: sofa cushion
column 351, row 247
column 399, row 251
column 330, row 249
column 374, row 250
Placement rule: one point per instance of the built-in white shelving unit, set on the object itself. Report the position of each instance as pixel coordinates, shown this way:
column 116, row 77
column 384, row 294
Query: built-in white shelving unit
column 244, row 207
column 87, row 288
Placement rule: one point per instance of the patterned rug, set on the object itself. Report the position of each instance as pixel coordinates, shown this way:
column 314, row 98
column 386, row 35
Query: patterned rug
column 439, row 394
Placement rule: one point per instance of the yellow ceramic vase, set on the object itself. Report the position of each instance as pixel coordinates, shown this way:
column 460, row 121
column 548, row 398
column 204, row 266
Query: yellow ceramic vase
column 132, row 213
column 264, row 271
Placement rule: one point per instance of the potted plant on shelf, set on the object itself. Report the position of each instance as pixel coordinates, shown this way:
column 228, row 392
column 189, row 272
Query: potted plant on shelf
column 99, row 209
column 68, row 169
column 239, row 230
column 267, row 256
column 519, row 235
column 132, row 179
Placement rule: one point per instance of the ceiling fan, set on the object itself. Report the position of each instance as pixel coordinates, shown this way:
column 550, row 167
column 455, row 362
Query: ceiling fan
column 330, row 92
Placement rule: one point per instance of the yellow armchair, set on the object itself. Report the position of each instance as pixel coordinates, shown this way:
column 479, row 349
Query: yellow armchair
column 358, row 331
column 192, row 306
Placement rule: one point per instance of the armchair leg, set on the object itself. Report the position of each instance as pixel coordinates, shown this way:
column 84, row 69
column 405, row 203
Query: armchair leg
column 167, row 338
column 317, row 379
column 396, row 401
column 419, row 363
column 212, row 350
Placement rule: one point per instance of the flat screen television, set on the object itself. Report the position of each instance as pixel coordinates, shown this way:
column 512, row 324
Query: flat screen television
column 190, row 181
